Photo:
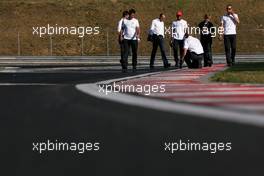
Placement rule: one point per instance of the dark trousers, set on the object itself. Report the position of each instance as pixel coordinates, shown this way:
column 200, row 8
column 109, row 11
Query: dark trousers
column 193, row 60
column 207, row 47
column 122, row 50
column 177, row 45
column 133, row 44
column 158, row 41
column 230, row 48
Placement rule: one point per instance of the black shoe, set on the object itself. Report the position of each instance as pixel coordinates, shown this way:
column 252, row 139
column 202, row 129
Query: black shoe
column 124, row 70
column 180, row 66
column 229, row 64
column 151, row 67
column 134, row 69
column 177, row 65
column 167, row 65
column 233, row 63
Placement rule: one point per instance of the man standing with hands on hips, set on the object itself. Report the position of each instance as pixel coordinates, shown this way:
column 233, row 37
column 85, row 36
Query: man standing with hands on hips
column 157, row 32
column 229, row 22
column 206, row 26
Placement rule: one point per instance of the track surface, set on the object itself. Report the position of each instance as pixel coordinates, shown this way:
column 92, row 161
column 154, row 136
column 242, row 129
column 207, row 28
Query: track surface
column 132, row 139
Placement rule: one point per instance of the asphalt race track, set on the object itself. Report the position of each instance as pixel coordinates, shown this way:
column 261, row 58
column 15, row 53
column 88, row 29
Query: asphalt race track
column 131, row 138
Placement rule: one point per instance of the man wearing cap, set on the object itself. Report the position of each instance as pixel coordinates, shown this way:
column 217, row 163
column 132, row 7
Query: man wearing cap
column 206, row 28
column 179, row 27
column 157, row 32
column 120, row 30
column 229, row 22
column 192, row 52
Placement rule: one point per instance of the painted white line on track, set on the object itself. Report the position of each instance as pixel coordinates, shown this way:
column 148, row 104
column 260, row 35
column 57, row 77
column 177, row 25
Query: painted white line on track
column 190, row 94
column 26, row 84
column 219, row 100
column 172, row 107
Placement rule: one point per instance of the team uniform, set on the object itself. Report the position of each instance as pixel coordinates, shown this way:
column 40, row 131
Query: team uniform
column 130, row 40
column 194, row 55
column 157, row 32
column 178, row 30
column 229, row 25
column 206, row 40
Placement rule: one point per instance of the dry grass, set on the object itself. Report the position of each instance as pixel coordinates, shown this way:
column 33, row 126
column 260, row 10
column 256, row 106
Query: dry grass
column 23, row 15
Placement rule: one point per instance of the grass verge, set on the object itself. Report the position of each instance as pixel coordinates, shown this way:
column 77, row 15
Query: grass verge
column 242, row 73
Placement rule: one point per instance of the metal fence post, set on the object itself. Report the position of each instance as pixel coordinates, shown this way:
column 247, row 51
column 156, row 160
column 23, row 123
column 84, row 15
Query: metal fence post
column 18, row 44
column 51, row 49
column 107, row 43
column 82, row 52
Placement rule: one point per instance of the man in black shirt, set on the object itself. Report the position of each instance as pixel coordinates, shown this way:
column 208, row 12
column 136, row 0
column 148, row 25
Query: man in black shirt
column 207, row 29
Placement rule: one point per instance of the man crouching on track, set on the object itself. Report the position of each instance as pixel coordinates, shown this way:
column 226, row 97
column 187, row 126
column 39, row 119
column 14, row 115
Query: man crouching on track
column 192, row 52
